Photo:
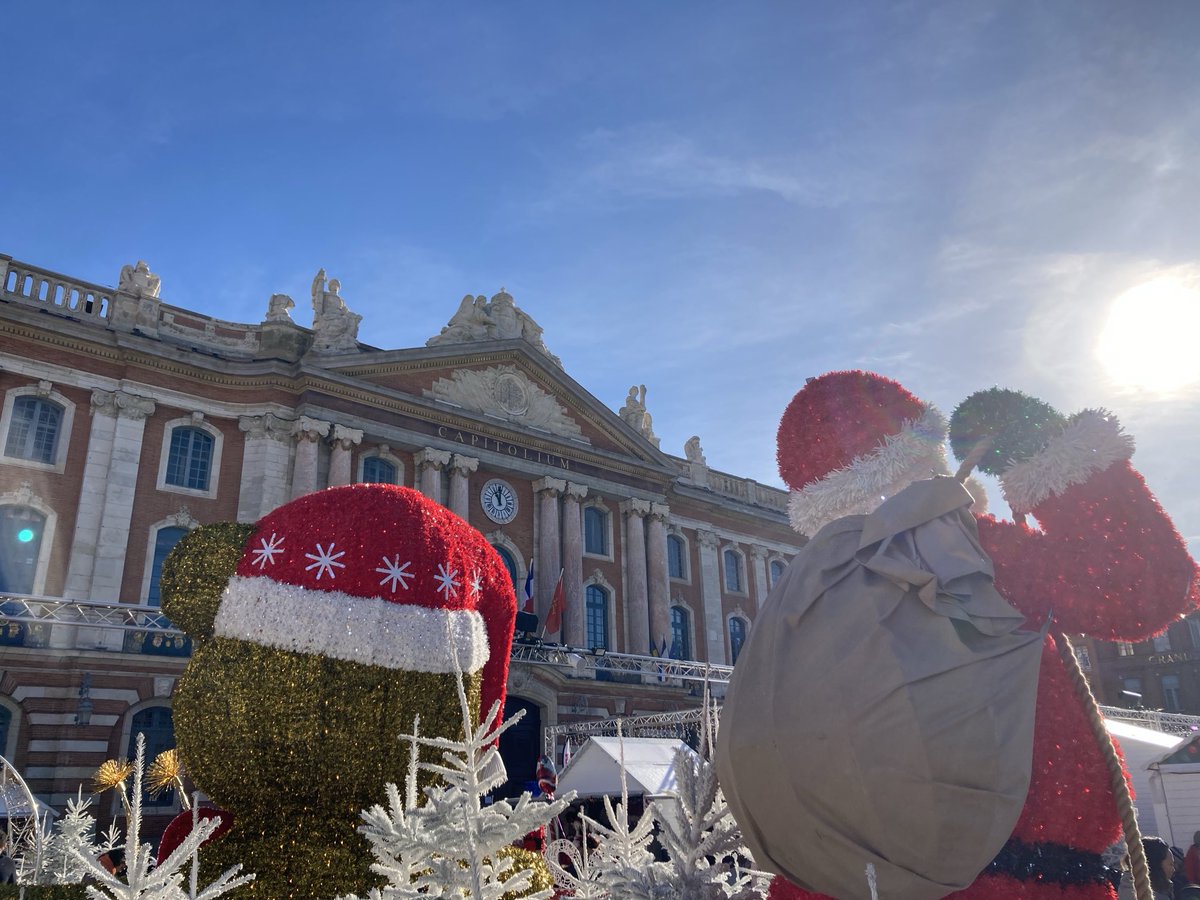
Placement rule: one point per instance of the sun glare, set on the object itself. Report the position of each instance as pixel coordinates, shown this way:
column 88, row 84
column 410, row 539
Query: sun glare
column 1149, row 340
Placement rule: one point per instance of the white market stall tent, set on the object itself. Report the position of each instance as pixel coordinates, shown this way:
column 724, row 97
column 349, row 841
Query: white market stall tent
column 595, row 769
column 1142, row 747
column 1175, row 787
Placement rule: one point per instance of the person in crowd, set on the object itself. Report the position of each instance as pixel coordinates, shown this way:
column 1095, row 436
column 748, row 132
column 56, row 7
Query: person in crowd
column 1161, row 863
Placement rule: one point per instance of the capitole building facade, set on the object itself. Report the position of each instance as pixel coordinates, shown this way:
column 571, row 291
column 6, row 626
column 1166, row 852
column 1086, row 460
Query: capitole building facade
column 127, row 421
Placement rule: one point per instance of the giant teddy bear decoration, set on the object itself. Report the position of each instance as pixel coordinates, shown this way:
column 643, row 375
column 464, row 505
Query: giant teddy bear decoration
column 321, row 632
column 1103, row 560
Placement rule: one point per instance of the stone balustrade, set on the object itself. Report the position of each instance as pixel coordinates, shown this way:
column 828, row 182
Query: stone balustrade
column 34, row 286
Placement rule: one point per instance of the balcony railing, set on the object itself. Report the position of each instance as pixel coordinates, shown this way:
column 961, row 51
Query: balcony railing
column 33, row 286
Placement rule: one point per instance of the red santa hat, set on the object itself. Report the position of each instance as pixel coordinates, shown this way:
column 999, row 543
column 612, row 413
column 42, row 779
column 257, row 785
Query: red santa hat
column 378, row 575
column 849, row 439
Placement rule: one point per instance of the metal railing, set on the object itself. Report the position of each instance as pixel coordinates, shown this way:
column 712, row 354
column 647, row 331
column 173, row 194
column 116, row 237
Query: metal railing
column 1179, row 724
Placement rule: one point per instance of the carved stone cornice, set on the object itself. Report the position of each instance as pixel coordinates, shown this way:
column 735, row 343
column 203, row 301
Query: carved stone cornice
column 310, row 430
column 506, row 393
column 635, row 506
column 432, row 458
column 575, row 491
column 346, row 438
column 464, row 464
column 550, row 486
column 709, row 540
column 268, row 425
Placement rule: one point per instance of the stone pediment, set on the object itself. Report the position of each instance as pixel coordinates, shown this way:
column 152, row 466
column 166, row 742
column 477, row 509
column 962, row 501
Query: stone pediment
column 506, row 393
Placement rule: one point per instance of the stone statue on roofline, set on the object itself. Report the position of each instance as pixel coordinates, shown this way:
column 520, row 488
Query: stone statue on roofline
column 335, row 327
column 634, row 413
column 499, row 319
column 139, row 281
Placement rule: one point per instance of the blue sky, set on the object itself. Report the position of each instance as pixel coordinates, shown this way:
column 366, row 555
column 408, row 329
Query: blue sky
column 717, row 200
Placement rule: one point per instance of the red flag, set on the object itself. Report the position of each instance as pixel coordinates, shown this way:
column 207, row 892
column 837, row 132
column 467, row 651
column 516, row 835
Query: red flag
column 554, row 617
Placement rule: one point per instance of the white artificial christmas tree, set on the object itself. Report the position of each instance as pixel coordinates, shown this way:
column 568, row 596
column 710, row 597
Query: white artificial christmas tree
column 452, row 846
column 143, row 880
column 74, row 835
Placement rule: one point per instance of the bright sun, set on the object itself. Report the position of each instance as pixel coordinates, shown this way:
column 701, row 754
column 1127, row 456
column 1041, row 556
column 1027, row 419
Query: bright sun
column 1150, row 339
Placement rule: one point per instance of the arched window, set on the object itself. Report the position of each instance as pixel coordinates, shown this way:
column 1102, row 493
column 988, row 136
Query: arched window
column 737, row 637
column 377, row 470
column 595, row 530
column 777, row 567
column 21, row 530
column 164, row 542
column 157, row 724
column 511, row 564
column 33, row 430
column 189, row 460
column 681, row 633
column 733, row 571
column 676, row 556
column 597, row 617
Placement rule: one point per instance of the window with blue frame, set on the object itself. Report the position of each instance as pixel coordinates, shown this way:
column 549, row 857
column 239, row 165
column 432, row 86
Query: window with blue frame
column 777, row 568
column 189, row 460
column 733, row 571
column 681, row 633
column 158, row 725
column 737, row 637
column 20, row 547
column 164, row 543
column 33, row 430
column 597, row 618
column 676, row 556
column 377, row 470
column 595, row 530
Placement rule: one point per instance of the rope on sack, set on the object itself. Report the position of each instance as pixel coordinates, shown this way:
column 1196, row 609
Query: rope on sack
column 1120, row 788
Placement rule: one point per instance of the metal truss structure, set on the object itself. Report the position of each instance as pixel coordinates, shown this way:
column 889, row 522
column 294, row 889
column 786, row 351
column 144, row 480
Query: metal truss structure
column 89, row 613
column 619, row 666
column 679, row 724
column 1167, row 722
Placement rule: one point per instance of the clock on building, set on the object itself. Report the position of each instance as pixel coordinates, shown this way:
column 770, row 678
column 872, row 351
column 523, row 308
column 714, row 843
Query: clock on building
column 499, row 501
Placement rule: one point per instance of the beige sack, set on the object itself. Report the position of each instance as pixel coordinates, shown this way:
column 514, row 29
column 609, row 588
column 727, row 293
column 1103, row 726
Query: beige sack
column 882, row 709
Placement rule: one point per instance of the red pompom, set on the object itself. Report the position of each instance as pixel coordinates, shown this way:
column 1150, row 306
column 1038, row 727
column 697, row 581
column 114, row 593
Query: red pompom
column 837, row 418
column 181, row 827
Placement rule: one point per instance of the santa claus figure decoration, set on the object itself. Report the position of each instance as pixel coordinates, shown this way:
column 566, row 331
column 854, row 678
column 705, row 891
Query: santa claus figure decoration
column 1101, row 559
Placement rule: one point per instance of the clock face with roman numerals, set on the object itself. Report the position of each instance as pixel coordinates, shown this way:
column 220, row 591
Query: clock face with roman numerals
column 499, row 501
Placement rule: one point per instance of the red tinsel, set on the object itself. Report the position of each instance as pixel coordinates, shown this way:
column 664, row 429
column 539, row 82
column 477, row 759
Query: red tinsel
column 1108, row 563
column 181, row 826
column 372, row 526
column 836, row 418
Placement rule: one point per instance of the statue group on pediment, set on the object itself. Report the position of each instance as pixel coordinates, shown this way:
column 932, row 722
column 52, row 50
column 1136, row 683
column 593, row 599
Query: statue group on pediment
column 499, row 319
column 635, row 414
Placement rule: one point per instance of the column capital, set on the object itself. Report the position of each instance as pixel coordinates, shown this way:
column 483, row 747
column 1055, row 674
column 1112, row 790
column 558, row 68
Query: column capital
column 575, row 491
column 551, row 486
column 659, row 512
column 345, row 437
column 464, row 464
column 120, row 403
column 635, row 506
column 268, row 425
column 432, row 458
column 759, row 553
column 306, row 429
column 708, row 539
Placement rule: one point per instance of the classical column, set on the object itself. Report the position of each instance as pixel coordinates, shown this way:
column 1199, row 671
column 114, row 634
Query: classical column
column 659, row 575
column 430, row 463
column 91, row 496
column 547, row 563
column 461, row 468
column 264, row 465
column 343, row 440
column 119, row 491
column 710, row 596
column 637, row 615
column 758, row 560
column 308, row 433
column 572, row 529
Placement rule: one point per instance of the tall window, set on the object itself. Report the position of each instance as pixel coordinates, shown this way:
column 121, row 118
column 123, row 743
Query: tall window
column 676, row 558
column 511, row 564
column 20, row 547
column 1125, row 648
column 157, row 724
column 597, row 617
column 164, row 543
column 681, row 633
column 777, row 568
column 1194, row 631
column 377, row 470
column 595, row 530
column 1161, row 642
column 189, row 463
column 1172, row 699
column 33, row 430
column 737, row 637
column 733, row 571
